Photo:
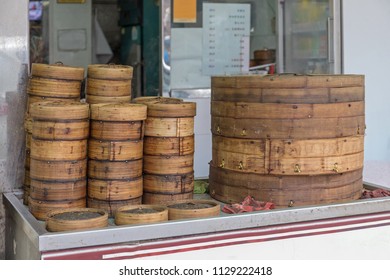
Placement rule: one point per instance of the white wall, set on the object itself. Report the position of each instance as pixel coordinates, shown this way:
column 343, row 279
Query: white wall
column 366, row 43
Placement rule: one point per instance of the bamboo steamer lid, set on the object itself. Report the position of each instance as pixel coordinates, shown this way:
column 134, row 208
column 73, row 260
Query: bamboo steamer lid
column 168, row 107
column 115, row 150
column 110, row 71
column 188, row 209
column 118, row 112
column 99, row 87
column 59, row 110
column 53, row 87
column 165, row 199
column 58, row 190
column 112, row 205
column 117, row 131
column 57, row 71
column 115, row 189
column 76, row 219
column 96, row 99
column 155, row 99
column 141, row 214
column 40, row 208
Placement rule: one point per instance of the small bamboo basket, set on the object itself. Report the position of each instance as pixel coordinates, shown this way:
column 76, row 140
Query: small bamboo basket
column 141, row 214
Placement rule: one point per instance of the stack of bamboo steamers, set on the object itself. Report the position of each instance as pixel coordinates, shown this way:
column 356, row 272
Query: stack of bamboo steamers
column 289, row 139
column 105, row 153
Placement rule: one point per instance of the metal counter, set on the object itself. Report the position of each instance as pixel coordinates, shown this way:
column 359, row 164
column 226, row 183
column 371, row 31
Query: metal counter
column 27, row 238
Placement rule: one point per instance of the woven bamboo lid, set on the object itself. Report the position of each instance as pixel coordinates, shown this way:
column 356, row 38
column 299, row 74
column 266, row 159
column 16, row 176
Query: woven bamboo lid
column 57, row 71
column 110, row 71
column 118, row 112
column 166, row 107
column 59, row 110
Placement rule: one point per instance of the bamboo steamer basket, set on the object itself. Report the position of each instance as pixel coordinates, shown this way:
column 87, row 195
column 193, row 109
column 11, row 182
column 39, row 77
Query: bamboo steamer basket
column 76, row 219
column 110, row 71
column 57, row 71
column 155, row 99
column 58, row 150
column 111, row 206
column 169, row 127
column 60, row 130
column 168, row 165
column 230, row 186
column 59, row 110
column 112, row 170
column 169, row 146
column 95, row 99
column 58, row 170
column 190, row 209
column 271, row 128
column 100, row 87
column 115, row 150
column 40, row 208
column 165, row 199
column 57, row 190
column 141, row 214
column 59, row 88
column 115, row 189
column 168, row 184
column 118, row 112
column 117, row 130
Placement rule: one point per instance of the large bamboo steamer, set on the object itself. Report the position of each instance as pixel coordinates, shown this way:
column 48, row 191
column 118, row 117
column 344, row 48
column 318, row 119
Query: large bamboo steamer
column 115, row 189
column 57, row 71
column 58, row 150
column 112, row 170
column 76, row 219
column 59, row 88
column 110, row 71
column 60, row 130
column 275, row 128
column 231, row 186
column 58, row 190
column 40, row 208
column 111, row 206
column 115, row 150
column 117, row 130
column 169, row 146
column 58, row 170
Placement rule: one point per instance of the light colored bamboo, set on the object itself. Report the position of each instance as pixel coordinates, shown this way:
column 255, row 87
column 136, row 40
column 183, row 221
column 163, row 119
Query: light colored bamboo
column 59, row 110
column 169, row 146
column 44, row 87
column 168, row 184
column 165, row 199
column 57, row 190
column 126, row 215
column 110, row 71
column 156, row 99
column 169, row 127
column 115, row 189
column 72, row 219
column 58, row 170
column 168, row 165
column 58, row 150
column 60, row 130
column 117, row 131
column 213, row 209
column 100, row 87
column 118, row 112
column 115, row 150
column 112, row 170
column 57, row 71
column 40, row 208
column 95, row 99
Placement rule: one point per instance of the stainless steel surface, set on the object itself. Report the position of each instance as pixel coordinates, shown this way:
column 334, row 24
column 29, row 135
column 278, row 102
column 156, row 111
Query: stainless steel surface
column 42, row 240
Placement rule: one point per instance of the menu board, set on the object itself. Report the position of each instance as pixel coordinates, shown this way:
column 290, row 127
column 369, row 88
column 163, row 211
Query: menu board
column 226, row 30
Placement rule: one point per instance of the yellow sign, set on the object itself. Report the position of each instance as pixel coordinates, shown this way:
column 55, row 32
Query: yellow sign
column 184, row 11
